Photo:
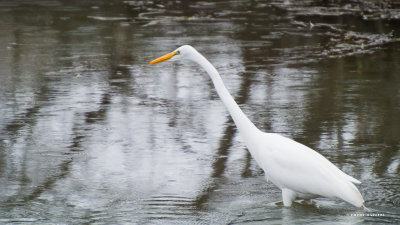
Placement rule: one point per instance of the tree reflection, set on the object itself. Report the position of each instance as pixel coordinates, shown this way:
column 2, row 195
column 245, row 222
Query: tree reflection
column 67, row 68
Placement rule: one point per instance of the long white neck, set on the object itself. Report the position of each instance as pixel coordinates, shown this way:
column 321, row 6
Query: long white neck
column 245, row 126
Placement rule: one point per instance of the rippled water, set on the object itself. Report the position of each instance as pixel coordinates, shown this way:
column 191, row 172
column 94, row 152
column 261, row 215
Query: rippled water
column 92, row 135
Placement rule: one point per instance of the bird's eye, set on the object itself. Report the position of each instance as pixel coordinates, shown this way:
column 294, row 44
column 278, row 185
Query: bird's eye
column 177, row 53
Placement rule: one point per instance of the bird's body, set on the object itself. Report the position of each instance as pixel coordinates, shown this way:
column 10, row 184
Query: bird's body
column 303, row 172
column 299, row 171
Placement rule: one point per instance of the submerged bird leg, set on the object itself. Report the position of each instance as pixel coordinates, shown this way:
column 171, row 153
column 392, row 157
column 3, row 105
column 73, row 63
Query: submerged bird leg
column 288, row 196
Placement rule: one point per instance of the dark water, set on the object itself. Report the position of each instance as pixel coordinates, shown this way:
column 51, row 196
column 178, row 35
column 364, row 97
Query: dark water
column 90, row 134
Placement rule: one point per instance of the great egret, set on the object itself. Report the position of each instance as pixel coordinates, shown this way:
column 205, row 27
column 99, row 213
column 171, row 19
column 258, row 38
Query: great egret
column 299, row 171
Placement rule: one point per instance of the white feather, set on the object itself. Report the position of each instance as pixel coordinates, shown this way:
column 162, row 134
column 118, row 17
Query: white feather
column 295, row 168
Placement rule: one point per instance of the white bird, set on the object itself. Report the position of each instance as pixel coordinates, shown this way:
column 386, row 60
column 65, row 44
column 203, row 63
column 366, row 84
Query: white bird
column 299, row 171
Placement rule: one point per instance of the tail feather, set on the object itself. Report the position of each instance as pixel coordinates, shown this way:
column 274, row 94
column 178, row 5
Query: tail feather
column 352, row 195
column 352, row 179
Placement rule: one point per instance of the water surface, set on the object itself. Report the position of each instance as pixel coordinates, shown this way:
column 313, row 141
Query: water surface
column 90, row 134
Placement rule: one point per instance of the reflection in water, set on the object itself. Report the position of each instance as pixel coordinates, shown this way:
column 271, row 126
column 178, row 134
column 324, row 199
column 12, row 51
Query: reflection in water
column 90, row 134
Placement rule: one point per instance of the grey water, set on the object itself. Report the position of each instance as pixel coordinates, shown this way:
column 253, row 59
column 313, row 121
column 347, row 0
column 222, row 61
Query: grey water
column 90, row 134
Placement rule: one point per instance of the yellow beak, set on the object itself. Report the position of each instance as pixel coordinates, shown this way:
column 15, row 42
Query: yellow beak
column 163, row 58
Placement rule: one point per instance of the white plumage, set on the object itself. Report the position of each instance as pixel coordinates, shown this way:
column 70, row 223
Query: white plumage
column 302, row 172
column 299, row 171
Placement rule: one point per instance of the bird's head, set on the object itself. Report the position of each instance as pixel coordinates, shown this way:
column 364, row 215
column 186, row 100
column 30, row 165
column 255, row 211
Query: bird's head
column 183, row 52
